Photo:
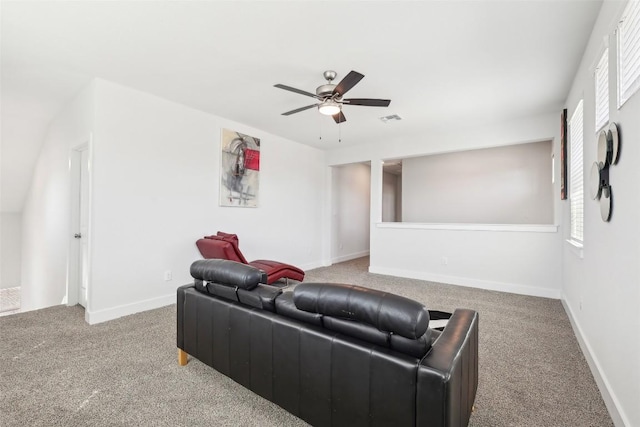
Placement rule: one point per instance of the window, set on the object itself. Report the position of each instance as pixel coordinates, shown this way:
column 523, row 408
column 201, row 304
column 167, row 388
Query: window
column 602, row 91
column 629, row 52
column 576, row 190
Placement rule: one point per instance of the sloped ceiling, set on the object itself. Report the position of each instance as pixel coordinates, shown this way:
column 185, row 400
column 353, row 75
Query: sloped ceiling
column 442, row 63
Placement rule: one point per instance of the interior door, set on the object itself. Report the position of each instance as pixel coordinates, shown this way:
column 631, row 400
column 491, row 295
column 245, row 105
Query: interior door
column 83, row 274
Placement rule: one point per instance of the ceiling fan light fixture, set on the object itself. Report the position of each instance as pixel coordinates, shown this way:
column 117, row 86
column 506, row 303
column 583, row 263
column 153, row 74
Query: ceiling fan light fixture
column 329, row 108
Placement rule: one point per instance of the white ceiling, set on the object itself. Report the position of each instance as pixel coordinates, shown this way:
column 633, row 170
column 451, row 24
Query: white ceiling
column 442, row 63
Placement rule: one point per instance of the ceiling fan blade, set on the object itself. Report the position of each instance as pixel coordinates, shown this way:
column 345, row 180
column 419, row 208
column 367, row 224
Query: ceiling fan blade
column 297, row 110
column 293, row 89
column 368, row 102
column 339, row 118
column 349, row 81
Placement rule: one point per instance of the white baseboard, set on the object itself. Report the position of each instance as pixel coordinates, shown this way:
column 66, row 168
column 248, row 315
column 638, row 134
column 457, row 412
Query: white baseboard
column 99, row 316
column 611, row 402
column 349, row 257
column 312, row 265
column 469, row 282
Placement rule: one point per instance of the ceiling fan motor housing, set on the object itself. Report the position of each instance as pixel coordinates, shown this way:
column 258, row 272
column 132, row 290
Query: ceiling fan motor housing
column 325, row 90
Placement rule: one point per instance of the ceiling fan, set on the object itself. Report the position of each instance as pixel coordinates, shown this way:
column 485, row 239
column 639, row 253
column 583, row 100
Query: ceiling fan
column 330, row 96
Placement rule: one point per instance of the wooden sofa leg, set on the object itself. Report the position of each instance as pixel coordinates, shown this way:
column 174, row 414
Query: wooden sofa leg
column 182, row 357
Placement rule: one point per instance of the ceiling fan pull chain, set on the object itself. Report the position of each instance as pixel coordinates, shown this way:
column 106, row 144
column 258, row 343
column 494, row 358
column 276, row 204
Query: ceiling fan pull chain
column 320, row 126
column 340, row 132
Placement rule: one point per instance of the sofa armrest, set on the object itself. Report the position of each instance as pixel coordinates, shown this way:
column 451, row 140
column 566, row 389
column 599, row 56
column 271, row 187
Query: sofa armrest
column 180, row 313
column 448, row 374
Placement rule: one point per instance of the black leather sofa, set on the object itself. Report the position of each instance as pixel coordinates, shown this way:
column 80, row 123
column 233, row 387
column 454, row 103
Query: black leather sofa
column 330, row 354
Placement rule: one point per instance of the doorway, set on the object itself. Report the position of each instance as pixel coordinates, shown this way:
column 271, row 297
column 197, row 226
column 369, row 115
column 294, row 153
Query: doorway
column 392, row 191
column 78, row 266
column 351, row 211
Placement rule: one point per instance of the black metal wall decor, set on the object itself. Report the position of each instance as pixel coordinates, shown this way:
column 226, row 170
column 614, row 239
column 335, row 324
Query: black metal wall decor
column 608, row 154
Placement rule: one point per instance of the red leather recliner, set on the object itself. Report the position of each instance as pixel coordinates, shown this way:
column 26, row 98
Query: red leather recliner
column 225, row 246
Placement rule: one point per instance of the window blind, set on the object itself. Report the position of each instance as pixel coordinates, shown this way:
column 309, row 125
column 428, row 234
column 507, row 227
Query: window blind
column 576, row 180
column 629, row 52
column 601, row 77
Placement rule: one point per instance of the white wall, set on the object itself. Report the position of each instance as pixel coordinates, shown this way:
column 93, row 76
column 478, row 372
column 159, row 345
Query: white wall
column 155, row 192
column 518, row 259
column 389, row 197
column 602, row 290
column 399, row 198
column 46, row 232
column 10, row 249
column 351, row 195
column 523, row 261
column 502, row 185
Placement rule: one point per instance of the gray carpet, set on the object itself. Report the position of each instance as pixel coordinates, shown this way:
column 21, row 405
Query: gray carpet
column 58, row 371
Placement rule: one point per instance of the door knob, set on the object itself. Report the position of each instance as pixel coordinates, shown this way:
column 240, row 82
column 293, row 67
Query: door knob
column 77, row 235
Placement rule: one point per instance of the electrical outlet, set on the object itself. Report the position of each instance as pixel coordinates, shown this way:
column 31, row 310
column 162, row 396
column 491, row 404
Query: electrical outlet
column 444, row 260
column 167, row 275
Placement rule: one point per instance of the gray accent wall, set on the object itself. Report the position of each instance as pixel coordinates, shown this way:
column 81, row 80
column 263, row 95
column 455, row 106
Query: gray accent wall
column 503, row 185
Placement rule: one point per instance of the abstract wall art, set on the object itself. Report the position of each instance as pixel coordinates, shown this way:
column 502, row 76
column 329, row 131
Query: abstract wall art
column 240, row 169
column 563, row 155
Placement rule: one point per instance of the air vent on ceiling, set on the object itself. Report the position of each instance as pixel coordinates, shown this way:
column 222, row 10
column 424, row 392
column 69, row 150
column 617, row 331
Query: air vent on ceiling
column 391, row 118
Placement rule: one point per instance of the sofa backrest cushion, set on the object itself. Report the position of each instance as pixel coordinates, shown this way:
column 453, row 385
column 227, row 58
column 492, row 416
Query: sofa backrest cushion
column 286, row 307
column 386, row 312
column 222, row 291
column 358, row 330
column 362, row 331
column 416, row 348
column 262, row 297
column 228, row 273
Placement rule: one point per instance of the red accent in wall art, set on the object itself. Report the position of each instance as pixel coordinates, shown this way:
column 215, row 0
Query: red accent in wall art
column 252, row 159
column 563, row 155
